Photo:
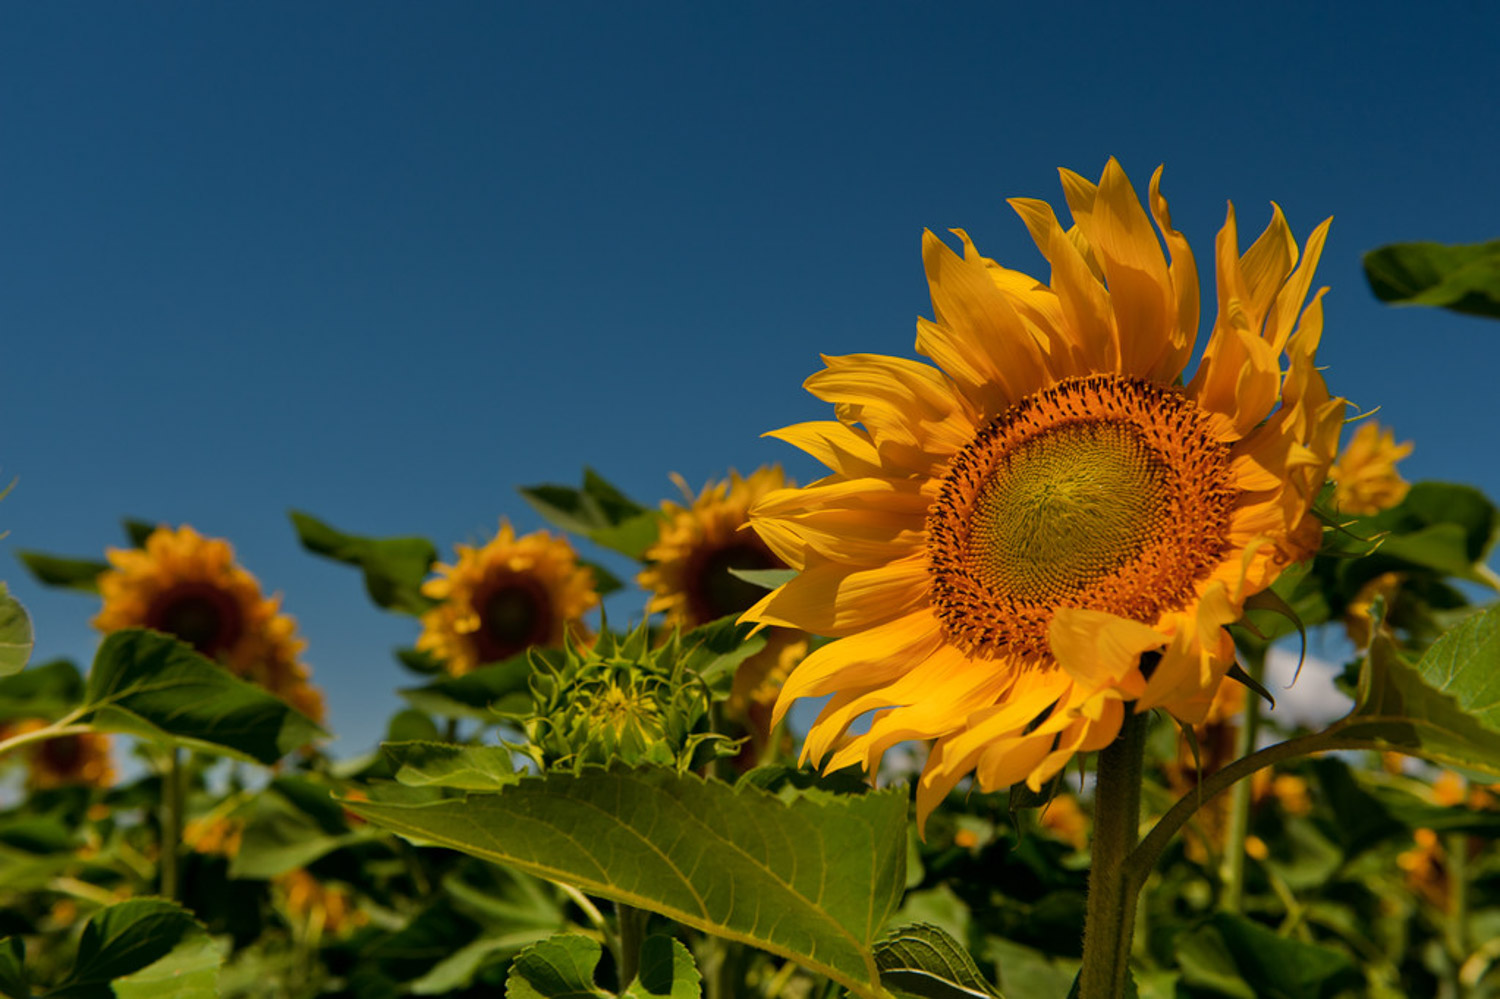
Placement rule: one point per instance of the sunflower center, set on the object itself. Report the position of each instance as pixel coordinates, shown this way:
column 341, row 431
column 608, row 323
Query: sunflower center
column 63, row 755
column 201, row 614
column 1102, row 492
column 514, row 614
column 712, row 592
column 1066, row 508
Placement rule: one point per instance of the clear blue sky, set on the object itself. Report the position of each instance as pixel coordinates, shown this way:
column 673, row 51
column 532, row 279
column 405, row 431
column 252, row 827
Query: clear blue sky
column 387, row 261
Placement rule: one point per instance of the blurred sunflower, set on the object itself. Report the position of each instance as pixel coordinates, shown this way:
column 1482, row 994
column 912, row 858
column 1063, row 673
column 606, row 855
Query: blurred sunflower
column 189, row 586
column 1049, row 529
column 1364, row 477
column 505, row 597
column 688, row 575
column 81, row 758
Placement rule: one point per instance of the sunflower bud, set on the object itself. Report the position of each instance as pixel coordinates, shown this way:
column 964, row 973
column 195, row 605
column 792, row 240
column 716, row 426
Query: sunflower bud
column 620, row 701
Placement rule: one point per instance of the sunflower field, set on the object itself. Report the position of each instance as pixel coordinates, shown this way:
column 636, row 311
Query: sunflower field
column 984, row 711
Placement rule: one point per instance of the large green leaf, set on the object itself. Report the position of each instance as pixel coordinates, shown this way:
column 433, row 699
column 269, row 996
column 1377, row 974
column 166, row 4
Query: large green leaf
column 189, row 971
column 68, row 573
column 563, row 967
column 15, row 634
column 503, row 688
column 131, row 936
column 46, row 691
column 923, row 962
column 151, row 685
column 812, row 880
column 1231, row 956
column 1446, row 708
column 394, row 568
column 1464, row 278
column 715, row 650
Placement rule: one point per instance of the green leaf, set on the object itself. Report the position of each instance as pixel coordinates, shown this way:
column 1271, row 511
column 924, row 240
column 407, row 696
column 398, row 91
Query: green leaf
column 15, row 634
column 560, row 967
column 68, row 573
column 190, row 971
column 46, row 691
column 502, row 688
column 1231, row 956
column 1022, row 971
column 812, row 880
column 138, row 531
column 124, row 939
column 1464, row 278
column 291, row 824
column 666, row 971
column 394, row 568
column 605, row 582
column 1445, row 709
column 468, row 768
column 418, row 661
column 923, row 961
column 766, row 579
column 599, row 512
column 715, row 650
column 14, row 982
column 152, row 686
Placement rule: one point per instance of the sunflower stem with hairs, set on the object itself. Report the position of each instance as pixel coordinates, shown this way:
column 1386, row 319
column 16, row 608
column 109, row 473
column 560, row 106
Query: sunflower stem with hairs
column 1110, row 919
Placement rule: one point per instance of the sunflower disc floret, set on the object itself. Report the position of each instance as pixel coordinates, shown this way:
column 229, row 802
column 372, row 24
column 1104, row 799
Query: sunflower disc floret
column 1053, row 525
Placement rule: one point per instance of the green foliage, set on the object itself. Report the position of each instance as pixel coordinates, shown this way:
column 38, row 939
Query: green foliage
column 598, row 511
column 812, row 880
column 67, row 573
column 289, row 825
column 155, row 687
column 1462, row 278
column 483, row 694
column 1232, row 956
column 564, row 967
column 15, row 983
column 47, row 691
column 923, row 962
column 443, row 764
column 1445, row 708
column 148, row 942
column 15, row 634
column 394, row 568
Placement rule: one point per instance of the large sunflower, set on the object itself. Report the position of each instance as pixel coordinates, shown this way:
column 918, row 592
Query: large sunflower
column 189, row 586
column 504, row 597
column 1050, row 529
column 688, row 574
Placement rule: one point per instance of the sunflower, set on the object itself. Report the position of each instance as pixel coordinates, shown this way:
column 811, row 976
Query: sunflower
column 82, row 758
column 189, row 586
column 505, row 597
column 1364, row 477
column 688, row 574
column 1049, row 528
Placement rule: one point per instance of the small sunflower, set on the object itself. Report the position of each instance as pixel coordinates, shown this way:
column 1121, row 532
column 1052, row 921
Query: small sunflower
column 189, row 586
column 688, row 574
column 82, row 758
column 1364, row 477
column 1049, row 528
column 505, row 597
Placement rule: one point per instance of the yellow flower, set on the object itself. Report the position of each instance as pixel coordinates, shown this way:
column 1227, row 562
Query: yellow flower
column 687, row 573
column 190, row 586
column 505, row 597
column 1063, row 818
column 317, row 906
column 82, row 758
column 1364, row 476
column 1049, row 529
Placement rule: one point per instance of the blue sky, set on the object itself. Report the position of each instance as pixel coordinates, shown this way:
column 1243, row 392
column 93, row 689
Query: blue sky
column 385, row 262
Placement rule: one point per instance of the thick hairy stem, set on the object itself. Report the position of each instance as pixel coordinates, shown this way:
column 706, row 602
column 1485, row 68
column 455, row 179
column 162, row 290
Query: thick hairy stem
column 1110, row 921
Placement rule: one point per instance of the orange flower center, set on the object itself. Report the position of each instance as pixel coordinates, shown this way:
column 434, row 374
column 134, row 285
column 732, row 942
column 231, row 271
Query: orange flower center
column 514, row 614
column 204, row 615
column 1101, row 492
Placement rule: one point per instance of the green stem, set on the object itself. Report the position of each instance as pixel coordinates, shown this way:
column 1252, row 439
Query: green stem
column 1457, row 921
column 632, row 924
column 1110, row 919
column 1143, row 858
column 1239, row 808
column 172, row 807
column 58, row 729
